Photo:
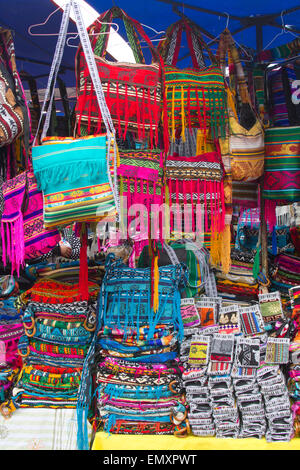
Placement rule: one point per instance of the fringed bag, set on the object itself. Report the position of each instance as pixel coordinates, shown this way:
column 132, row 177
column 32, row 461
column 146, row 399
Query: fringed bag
column 133, row 92
column 75, row 175
column 195, row 97
column 195, row 184
column 22, row 229
column 126, row 297
column 140, row 176
column 246, row 135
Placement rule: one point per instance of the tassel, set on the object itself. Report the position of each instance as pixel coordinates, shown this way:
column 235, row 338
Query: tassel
column 150, row 119
column 226, row 250
column 173, row 114
column 182, row 116
column 118, row 110
column 83, row 274
column 156, row 282
column 256, row 264
column 138, row 117
column 143, row 115
column 274, row 242
column 126, row 112
column 189, row 108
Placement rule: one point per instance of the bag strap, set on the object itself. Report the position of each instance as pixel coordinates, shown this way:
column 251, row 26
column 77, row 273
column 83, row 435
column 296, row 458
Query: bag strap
column 132, row 26
column 86, row 45
column 227, row 47
column 169, row 48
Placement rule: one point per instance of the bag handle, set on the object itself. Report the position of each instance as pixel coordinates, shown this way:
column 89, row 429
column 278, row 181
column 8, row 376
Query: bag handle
column 132, row 26
column 169, row 48
column 86, row 45
column 87, row 48
column 227, row 46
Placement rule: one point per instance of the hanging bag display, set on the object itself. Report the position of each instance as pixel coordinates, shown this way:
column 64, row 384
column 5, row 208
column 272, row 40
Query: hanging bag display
column 75, row 174
column 246, row 135
column 195, row 96
column 14, row 119
column 133, row 91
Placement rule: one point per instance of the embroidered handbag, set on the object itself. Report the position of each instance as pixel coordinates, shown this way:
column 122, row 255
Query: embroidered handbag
column 140, row 176
column 13, row 113
column 195, row 96
column 75, row 174
column 196, row 182
column 22, row 229
column 126, row 297
column 133, row 92
column 246, row 135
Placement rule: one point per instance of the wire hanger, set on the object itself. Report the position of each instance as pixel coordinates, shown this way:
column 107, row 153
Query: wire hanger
column 56, row 34
column 283, row 31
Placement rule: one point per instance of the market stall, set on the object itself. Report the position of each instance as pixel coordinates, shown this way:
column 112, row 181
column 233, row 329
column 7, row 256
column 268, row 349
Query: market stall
column 150, row 263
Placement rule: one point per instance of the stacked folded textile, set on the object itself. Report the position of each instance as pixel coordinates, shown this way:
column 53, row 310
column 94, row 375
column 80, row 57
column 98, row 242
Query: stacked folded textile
column 250, row 405
column 11, row 329
column 238, row 284
column 294, row 365
column 194, row 359
column 139, row 374
column 58, row 331
column 276, row 401
column 285, row 273
column 138, row 398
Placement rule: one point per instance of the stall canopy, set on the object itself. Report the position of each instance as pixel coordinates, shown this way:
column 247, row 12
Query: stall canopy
column 256, row 24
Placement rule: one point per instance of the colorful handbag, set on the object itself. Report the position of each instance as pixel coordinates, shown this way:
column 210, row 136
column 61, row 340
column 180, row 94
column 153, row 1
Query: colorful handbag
column 133, row 92
column 196, row 184
column 13, row 113
column 195, row 96
column 140, row 176
column 246, row 136
column 22, row 228
column 75, row 174
column 126, row 297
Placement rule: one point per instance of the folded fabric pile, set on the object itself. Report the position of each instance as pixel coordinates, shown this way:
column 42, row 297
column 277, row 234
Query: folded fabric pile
column 276, row 402
column 285, row 273
column 138, row 376
column 11, row 329
column 239, row 283
column 294, row 366
column 233, row 381
column 58, row 331
column 248, row 354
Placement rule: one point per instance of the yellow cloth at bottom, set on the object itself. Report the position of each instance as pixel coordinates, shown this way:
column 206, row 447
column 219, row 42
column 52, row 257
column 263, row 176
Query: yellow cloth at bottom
column 104, row 441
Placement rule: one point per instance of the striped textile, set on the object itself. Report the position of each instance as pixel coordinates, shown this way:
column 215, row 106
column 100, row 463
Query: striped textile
column 72, row 174
column 282, row 164
column 247, row 151
column 195, row 99
column 245, row 194
column 40, row 429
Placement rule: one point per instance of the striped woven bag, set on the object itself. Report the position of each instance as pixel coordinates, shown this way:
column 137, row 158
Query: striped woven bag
column 246, row 135
column 282, row 169
column 195, row 96
column 133, row 91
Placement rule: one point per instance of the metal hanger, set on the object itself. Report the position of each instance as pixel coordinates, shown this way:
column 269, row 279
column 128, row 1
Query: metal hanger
column 283, row 31
column 56, row 34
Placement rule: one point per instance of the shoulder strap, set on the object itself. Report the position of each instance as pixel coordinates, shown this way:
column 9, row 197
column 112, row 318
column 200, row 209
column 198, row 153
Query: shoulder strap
column 86, row 45
column 169, row 48
column 227, row 47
